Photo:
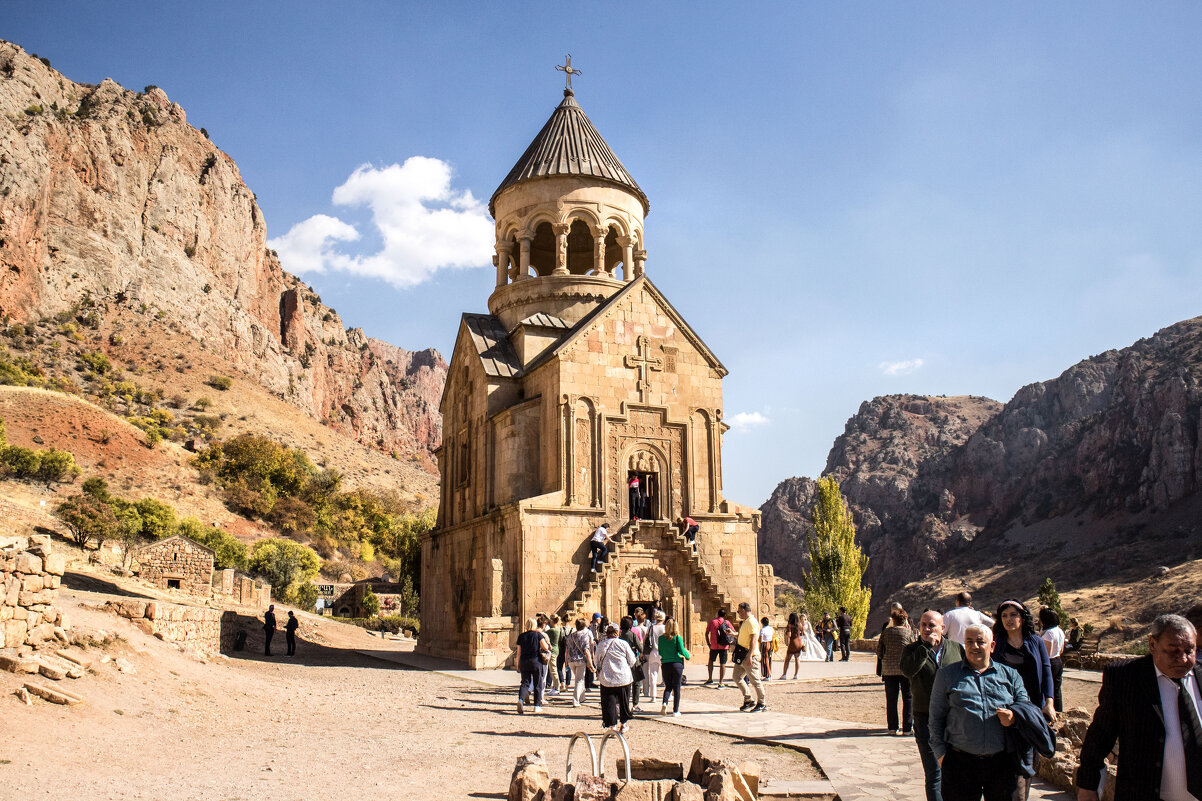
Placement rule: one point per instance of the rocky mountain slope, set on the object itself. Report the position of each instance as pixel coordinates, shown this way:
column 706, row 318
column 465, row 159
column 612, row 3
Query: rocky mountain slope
column 1088, row 464
column 108, row 196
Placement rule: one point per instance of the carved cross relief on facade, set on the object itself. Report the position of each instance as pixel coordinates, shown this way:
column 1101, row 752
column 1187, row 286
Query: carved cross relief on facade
column 644, row 363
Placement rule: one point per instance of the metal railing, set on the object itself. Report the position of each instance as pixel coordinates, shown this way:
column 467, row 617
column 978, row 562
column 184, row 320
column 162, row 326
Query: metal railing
column 596, row 757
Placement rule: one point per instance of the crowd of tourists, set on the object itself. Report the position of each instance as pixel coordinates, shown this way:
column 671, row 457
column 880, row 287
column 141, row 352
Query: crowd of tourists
column 979, row 694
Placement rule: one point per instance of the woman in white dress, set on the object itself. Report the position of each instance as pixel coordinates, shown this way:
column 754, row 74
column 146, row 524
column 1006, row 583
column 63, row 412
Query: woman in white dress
column 813, row 648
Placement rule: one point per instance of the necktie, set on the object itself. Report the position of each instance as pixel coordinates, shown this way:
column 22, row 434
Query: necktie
column 1191, row 737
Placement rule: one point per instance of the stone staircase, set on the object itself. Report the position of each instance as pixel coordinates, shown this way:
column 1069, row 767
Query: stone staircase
column 588, row 591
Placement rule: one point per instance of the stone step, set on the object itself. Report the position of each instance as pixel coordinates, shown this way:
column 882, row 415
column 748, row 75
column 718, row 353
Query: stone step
column 18, row 664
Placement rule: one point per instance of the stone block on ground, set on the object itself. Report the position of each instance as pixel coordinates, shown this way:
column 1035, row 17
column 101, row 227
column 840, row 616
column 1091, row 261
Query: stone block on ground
column 79, row 659
column 651, row 768
column 687, row 791
column 24, row 695
column 591, row 788
column 725, row 783
column 750, row 771
column 637, row 790
column 561, row 791
column 54, row 696
column 530, row 780
column 700, row 764
column 17, row 664
column 51, row 672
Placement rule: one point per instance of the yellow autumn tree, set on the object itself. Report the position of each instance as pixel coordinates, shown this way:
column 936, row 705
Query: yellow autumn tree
column 837, row 565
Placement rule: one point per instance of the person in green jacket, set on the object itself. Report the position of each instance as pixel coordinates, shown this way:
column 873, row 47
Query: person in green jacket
column 920, row 661
column 672, row 654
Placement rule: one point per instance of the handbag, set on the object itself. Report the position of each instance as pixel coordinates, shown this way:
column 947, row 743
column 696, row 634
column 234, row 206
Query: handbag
column 739, row 655
column 637, row 672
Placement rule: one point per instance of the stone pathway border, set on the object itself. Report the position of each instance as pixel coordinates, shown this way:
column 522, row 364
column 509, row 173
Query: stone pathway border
column 863, row 763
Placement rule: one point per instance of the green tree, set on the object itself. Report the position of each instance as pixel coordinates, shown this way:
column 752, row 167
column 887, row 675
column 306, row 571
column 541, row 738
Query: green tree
column 837, row 565
column 86, row 518
column 1049, row 597
column 370, row 603
column 304, row 595
column 158, row 518
column 284, row 563
column 20, row 462
column 97, row 487
column 228, row 551
column 129, row 527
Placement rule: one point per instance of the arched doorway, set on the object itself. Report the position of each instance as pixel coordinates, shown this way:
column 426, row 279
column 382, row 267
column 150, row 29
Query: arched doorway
column 649, row 588
column 643, row 470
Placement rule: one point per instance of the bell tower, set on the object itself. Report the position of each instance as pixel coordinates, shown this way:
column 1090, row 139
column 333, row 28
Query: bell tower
column 569, row 224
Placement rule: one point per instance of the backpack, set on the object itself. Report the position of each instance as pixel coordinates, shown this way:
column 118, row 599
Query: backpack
column 725, row 634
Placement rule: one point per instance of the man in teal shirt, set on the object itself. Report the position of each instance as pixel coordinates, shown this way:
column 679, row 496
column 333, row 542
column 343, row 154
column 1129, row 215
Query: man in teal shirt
column 970, row 709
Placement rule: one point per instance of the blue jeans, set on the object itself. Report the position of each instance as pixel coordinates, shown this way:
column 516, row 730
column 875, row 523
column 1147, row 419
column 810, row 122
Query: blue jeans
column 830, row 647
column 532, row 680
column 930, row 765
column 596, row 550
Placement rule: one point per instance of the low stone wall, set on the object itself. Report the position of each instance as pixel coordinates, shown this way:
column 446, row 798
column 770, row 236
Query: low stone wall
column 30, row 574
column 204, row 630
column 1093, row 661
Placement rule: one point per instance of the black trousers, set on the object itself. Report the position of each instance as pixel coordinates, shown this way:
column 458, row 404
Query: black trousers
column 968, row 778
column 290, row 638
column 893, row 686
column 1057, row 680
column 615, row 705
column 267, row 635
column 845, row 643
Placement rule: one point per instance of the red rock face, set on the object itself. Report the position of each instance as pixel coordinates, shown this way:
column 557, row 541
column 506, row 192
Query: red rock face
column 109, row 194
column 1114, row 436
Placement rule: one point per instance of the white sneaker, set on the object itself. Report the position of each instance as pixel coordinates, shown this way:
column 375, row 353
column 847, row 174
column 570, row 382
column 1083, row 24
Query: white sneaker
column 675, row 714
column 663, row 710
column 538, row 710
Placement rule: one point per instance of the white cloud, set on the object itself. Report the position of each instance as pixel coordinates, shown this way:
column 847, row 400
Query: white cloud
column 900, row 368
column 745, row 420
column 423, row 224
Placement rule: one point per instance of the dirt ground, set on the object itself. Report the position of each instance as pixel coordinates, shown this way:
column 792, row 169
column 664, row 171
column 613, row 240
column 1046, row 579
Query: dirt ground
column 330, row 723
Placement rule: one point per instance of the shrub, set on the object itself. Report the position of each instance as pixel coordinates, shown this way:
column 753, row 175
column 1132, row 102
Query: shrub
column 201, row 404
column 228, row 551
column 284, row 563
column 393, row 624
column 86, row 517
column 56, row 465
column 220, row 382
column 98, row 488
column 19, row 462
column 97, row 362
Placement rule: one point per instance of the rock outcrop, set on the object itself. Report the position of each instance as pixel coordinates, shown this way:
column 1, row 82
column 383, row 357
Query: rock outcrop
column 108, row 195
column 1116, row 435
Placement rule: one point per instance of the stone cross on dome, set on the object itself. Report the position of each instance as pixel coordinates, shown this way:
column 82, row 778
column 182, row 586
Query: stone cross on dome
column 567, row 68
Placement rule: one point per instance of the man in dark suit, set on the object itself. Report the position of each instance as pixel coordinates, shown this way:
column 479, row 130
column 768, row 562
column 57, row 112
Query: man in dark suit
column 1150, row 705
column 920, row 660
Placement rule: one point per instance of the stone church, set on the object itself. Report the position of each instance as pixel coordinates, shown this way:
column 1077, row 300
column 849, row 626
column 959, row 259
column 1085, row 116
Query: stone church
column 581, row 376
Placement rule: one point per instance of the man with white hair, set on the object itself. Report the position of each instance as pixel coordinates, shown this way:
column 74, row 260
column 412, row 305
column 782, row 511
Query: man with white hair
column 920, row 661
column 970, row 710
column 1150, row 705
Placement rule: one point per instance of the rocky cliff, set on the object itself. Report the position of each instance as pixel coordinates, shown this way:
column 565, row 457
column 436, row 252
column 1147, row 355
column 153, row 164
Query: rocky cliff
column 1113, row 439
column 108, row 195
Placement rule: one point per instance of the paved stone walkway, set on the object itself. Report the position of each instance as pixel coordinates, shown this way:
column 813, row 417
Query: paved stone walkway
column 863, row 763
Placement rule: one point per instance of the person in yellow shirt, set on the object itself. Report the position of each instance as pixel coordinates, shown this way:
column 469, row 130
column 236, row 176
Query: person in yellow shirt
column 747, row 676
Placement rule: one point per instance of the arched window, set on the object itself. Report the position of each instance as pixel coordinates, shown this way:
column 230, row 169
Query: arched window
column 613, row 253
column 580, row 249
column 542, row 250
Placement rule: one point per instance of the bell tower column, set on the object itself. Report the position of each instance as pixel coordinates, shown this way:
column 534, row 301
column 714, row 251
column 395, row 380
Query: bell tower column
column 599, row 251
column 503, row 257
column 561, row 248
column 627, row 245
column 524, row 264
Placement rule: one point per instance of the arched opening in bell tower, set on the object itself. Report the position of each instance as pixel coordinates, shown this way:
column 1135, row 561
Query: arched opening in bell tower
column 542, row 250
column 613, row 253
column 580, row 249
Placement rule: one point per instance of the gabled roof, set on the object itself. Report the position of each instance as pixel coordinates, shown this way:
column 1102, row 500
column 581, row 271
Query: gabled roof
column 569, row 145
column 497, row 356
column 642, row 281
column 177, row 537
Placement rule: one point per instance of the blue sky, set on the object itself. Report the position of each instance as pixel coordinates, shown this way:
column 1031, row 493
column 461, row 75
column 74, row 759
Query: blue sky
column 847, row 200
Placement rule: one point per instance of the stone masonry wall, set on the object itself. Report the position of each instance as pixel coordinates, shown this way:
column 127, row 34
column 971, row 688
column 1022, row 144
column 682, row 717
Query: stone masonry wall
column 30, row 574
column 178, row 559
column 205, row 630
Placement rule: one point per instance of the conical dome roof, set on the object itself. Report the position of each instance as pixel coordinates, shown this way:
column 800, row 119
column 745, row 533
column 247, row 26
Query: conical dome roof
column 569, row 145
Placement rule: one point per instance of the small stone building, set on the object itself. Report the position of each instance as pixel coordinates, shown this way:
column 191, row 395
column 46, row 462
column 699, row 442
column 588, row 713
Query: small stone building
column 178, row 563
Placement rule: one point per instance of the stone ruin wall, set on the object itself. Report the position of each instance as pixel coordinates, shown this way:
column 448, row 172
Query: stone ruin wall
column 30, row 574
column 232, row 586
column 204, row 630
